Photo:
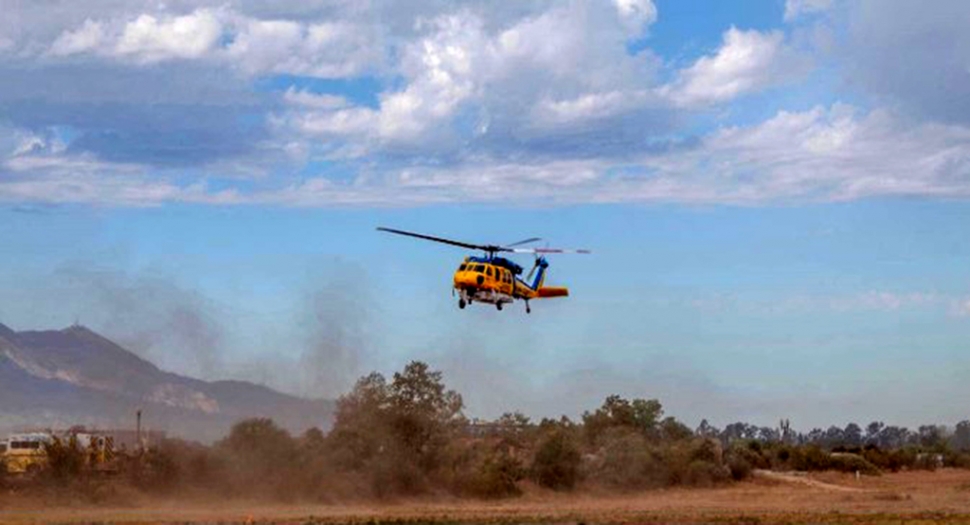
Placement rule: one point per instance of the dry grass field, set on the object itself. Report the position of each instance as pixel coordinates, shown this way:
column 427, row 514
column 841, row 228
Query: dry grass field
column 909, row 497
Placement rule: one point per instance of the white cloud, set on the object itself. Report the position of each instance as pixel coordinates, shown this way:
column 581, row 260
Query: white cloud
column 820, row 154
column 331, row 49
column 796, row 8
column 348, row 121
column 84, row 180
column 542, row 102
column 254, row 46
column 501, row 85
column 86, row 38
column 824, row 154
column 263, row 44
column 589, row 106
column 747, row 62
column 150, row 39
column 443, row 68
column 636, row 14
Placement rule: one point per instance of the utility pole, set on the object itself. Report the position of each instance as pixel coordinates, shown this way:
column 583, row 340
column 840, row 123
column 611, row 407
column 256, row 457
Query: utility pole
column 138, row 430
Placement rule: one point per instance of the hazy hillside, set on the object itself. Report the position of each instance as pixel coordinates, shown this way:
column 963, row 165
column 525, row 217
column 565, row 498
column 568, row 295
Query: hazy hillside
column 76, row 376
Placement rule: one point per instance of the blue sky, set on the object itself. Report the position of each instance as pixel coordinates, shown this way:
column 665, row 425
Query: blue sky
column 775, row 193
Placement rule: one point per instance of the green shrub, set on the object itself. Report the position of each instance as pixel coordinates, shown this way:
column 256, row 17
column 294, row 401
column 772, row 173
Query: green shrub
column 556, row 461
column 628, row 463
column 809, row 458
column 742, row 459
column 848, row 462
column 393, row 473
column 958, row 460
column 497, row 476
column 708, row 450
column 739, row 467
column 702, row 473
column 65, row 460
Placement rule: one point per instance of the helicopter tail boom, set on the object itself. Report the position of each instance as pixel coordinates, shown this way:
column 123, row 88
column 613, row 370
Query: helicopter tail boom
column 548, row 292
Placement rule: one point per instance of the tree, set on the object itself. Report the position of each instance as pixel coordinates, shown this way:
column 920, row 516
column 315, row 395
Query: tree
column 852, row 435
column 556, row 461
column 894, row 437
column 641, row 415
column 705, row 429
column 785, row 431
column 646, row 414
column 396, row 430
column 739, row 431
column 873, row 431
column 768, row 435
column 834, row 437
column 423, row 413
column 261, row 454
column 360, row 423
column 961, row 436
column 673, row 430
column 932, row 437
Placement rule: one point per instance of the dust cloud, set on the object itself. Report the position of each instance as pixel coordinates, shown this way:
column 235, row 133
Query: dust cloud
column 316, row 353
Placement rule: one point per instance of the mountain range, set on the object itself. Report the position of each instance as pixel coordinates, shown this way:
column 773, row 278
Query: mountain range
column 74, row 376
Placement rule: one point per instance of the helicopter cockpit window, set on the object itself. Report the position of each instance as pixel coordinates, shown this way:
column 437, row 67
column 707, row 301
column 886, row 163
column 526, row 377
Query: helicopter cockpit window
column 462, row 267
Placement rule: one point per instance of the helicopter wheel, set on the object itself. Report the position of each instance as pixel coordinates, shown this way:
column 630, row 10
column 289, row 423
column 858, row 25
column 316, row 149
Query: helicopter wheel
column 461, row 304
column 498, row 306
column 528, row 309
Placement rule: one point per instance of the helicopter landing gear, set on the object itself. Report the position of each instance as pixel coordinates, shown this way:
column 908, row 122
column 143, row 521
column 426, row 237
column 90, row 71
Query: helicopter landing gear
column 528, row 310
column 461, row 303
column 498, row 306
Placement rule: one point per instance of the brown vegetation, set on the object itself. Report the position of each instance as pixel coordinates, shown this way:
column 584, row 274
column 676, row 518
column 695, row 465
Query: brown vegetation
column 407, row 438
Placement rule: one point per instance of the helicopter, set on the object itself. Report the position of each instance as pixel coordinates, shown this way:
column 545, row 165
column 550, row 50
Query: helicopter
column 491, row 279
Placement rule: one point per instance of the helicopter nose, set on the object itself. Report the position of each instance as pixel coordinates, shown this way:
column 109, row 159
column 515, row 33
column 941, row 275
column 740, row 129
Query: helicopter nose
column 465, row 280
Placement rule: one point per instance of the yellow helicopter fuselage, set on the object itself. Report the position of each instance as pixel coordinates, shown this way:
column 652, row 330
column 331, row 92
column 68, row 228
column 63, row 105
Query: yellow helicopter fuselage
column 494, row 281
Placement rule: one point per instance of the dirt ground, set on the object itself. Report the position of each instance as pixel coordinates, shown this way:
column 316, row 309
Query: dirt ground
column 909, row 497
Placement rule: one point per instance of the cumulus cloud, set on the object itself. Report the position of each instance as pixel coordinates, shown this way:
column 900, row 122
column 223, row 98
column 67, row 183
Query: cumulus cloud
column 636, row 14
column 83, row 39
column 823, row 154
column 836, row 153
column 746, row 62
column 467, row 84
column 796, row 8
column 330, row 49
column 224, row 36
column 542, row 101
column 442, row 68
column 152, row 39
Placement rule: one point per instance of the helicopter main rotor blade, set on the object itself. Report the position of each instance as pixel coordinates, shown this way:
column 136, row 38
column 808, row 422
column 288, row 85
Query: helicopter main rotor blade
column 547, row 250
column 524, row 241
column 438, row 239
